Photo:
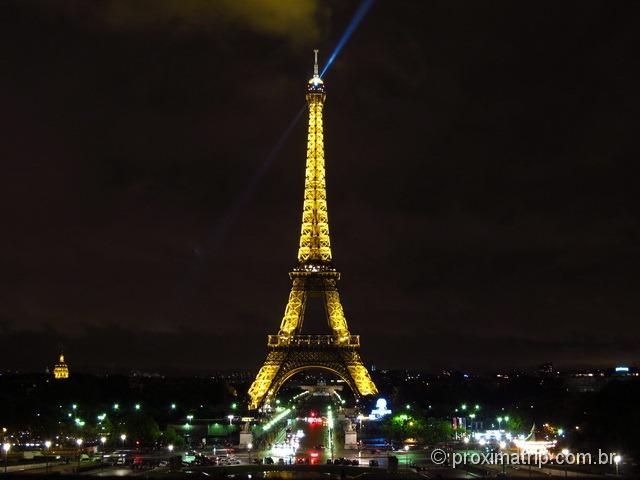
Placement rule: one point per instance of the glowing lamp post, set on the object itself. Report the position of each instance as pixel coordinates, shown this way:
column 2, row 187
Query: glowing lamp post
column 249, row 447
column 170, row 448
column 565, row 454
column 123, row 437
column 616, row 460
column 406, row 455
column 502, row 446
column 5, row 448
column 79, row 443
column 103, row 441
column 230, row 417
column 47, row 445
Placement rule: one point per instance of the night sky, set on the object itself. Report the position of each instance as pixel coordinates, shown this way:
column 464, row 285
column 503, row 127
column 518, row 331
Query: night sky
column 482, row 180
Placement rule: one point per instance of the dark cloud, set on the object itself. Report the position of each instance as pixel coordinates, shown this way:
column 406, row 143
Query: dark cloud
column 297, row 21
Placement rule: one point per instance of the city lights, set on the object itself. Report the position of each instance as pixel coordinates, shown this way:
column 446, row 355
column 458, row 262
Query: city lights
column 276, row 419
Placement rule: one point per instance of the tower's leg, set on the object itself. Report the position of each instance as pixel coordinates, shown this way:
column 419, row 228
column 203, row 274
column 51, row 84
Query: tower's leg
column 294, row 311
column 264, row 380
column 359, row 373
column 335, row 316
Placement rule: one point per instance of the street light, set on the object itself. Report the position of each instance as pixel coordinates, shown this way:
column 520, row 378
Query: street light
column 617, row 459
column 406, row 455
column 79, row 443
column 565, row 454
column 123, row 437
column 499, row 419
column 502, row 446
column 170, row 447
column 6, row 447
column 249, row 447
column 230, row 417
column 47, row 445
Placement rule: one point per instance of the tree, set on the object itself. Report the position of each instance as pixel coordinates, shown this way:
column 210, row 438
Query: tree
column 172, row 438
column 142, row 427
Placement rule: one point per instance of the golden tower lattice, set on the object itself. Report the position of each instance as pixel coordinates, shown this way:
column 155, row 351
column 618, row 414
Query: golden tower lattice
column 315, row 276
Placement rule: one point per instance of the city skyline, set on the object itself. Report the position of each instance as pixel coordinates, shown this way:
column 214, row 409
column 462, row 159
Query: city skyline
column 481, row 189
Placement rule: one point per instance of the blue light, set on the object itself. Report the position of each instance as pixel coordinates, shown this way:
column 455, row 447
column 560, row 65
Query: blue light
column 380, row 411
column 362, row 10
column 622, row 369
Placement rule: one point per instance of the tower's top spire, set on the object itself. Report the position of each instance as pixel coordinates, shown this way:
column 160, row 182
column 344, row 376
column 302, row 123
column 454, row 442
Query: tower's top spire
column 315, row 83
column 315, row 63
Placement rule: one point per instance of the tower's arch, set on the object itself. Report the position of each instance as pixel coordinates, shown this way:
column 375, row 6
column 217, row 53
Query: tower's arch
column 288, row 375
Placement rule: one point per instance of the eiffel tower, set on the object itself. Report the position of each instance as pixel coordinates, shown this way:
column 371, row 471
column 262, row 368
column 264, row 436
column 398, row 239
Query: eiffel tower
column 290, row 352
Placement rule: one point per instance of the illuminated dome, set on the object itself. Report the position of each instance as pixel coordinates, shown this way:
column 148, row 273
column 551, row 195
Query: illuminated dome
column 60, row 369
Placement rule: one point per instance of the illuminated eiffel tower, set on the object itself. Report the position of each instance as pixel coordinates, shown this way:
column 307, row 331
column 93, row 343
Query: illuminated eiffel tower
column 315, row 276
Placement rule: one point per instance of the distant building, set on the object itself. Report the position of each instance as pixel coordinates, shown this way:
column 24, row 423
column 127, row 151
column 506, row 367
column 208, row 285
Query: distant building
column 545, row 369
column 60, row 369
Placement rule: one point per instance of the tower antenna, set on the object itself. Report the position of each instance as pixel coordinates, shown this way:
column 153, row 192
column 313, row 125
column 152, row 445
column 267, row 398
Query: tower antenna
column 315, row 65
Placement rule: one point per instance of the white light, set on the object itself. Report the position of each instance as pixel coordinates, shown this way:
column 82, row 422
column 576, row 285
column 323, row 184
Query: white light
column 6, row 447
column 406, row 448
column 249, row 446
column 123, row 437
column 466, row 440
column 103, row 440
column 565, row 451
column 170, row 448
column 482, row 442
column 79, row 441
column 47, row 444
column 617, row 459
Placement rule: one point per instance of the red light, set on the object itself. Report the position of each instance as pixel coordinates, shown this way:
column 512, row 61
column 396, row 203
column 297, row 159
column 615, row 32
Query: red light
column 313, row 414
column 314, row 454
